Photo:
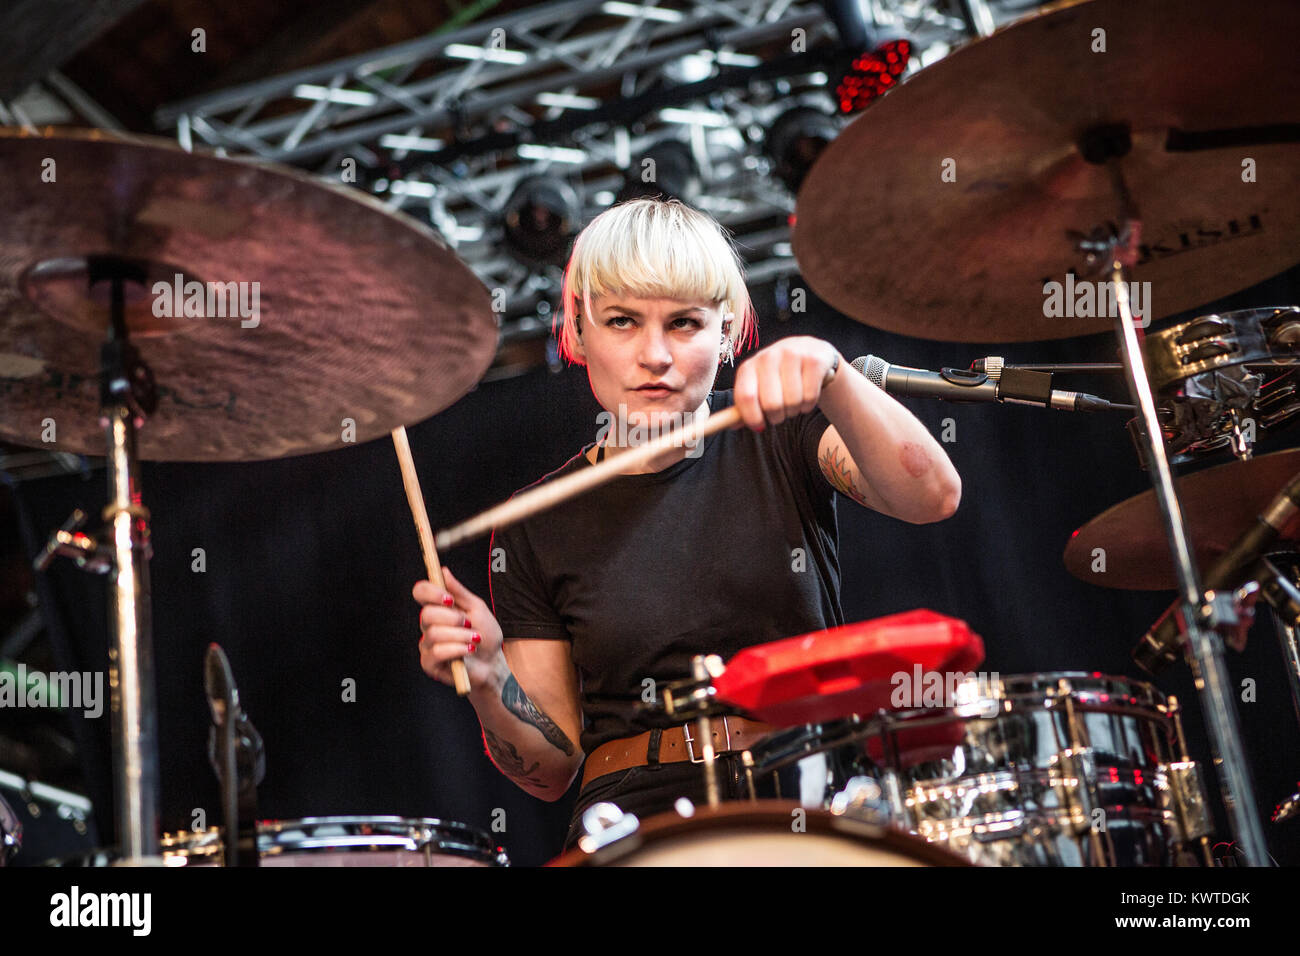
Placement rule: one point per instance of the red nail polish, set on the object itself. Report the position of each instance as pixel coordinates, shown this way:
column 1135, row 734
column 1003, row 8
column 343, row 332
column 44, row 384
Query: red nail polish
column 466, row 623
column 478, row 639
column 471, row 647
column 448, row 600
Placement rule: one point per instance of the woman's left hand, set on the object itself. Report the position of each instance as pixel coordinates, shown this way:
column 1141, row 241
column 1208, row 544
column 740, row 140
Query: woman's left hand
column 783, row 380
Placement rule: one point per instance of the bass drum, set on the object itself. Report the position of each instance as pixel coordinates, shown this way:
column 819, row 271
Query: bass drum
column 757, row 833
column 331, row 841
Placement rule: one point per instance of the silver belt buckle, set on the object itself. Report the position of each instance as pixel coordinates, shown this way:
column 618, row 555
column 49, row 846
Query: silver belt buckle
column 690, row 750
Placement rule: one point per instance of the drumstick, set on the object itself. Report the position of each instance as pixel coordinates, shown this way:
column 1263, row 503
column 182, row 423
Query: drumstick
column 431, row 564
column 553, row 492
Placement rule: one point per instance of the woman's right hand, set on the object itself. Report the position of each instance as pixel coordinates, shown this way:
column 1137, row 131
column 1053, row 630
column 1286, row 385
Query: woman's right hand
column 457, row 623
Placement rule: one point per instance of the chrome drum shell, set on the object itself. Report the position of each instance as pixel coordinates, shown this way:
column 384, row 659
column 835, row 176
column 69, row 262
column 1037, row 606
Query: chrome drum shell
column 1049, row 769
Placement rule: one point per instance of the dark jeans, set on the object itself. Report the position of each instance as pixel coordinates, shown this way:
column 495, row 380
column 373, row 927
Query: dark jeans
column 647, row 791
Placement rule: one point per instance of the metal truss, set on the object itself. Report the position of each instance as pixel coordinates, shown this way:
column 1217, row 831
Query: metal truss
column 446, row 126
column 55, row 101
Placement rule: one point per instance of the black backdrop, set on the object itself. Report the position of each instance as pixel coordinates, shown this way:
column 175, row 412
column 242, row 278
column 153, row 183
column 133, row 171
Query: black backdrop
column 310, row 563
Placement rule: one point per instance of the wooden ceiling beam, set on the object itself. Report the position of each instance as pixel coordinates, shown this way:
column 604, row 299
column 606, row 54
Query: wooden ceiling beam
column 37, row 36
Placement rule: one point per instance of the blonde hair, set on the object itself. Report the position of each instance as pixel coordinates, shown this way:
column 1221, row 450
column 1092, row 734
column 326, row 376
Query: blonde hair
column 654, row 248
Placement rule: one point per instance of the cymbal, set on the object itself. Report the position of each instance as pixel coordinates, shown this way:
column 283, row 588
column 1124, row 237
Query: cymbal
column 881, row 236
column 1219, row 504
column 337, row 310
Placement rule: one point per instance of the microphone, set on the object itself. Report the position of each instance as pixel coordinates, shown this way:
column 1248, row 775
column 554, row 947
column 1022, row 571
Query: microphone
column 1015, row 385
column 1159, row 646
column 237, row 754
column 219, row 684
column 223, row 701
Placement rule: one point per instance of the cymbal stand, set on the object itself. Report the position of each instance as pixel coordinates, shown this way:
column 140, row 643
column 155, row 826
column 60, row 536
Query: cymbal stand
column 696, row 698
column 1112, row 251
column 1283, row 597
column 121, row 548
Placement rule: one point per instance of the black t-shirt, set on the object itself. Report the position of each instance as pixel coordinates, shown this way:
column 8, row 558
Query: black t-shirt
column 732, row 547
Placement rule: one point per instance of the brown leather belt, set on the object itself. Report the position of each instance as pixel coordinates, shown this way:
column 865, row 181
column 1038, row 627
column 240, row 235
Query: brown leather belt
column 675, row 744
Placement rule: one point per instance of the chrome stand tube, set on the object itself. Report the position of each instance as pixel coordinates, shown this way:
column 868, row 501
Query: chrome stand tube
column 135, row 737
column 1204, row 645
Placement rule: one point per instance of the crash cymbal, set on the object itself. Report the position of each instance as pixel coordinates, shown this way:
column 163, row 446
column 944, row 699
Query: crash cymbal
column 337, row 310
column 1219, row 504
column 883, row 236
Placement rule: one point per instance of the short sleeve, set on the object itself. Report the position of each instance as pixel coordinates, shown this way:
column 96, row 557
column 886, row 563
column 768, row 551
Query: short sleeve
column 520, row 597
column 810, row 439
column 801, row 436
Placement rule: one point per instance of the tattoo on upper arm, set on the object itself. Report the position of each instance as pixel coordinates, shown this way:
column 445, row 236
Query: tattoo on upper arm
column 838, row 470
column 508, row 761
column 519, row 704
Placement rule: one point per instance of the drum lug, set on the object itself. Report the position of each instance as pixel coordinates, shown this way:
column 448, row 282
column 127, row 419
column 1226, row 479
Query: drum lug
column 893, row 789
column 603, row 824
column 862, row 799
column 1187, row 794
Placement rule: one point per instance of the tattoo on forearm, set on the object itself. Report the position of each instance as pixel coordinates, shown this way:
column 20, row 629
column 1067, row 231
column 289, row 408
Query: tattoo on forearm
column 519, row 704
column 839, row 472
column 508, row 761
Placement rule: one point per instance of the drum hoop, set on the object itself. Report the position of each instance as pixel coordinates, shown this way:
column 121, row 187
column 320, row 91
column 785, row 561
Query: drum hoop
column 428, row 836
column 757, row 816
column 1018, row 692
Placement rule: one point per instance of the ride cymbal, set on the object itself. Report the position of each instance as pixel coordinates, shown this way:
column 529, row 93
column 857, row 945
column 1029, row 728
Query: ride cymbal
column 943, row 210
column 1218, row 504
column 303, row 305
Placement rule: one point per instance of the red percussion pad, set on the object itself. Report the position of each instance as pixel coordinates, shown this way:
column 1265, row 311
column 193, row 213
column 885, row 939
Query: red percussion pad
column 827, row 675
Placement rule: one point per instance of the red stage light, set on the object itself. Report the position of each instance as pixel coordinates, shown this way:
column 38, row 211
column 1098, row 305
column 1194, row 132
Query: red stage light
column 872, row 74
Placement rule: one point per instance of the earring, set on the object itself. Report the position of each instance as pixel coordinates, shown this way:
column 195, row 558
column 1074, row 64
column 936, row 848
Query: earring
column 728, row 353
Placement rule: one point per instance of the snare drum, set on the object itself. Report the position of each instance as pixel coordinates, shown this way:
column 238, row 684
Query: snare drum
column 333, row 841
column 761, row 833
column 1054, row 769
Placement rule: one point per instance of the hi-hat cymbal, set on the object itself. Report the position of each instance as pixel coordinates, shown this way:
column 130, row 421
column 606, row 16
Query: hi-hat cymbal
column 945, row 207
column 1219, row 504
column 333, row 309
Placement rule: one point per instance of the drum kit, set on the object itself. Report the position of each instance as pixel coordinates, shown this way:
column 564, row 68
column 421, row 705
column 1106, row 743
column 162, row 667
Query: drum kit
column 1155, row 144
column 1052, row 769
column 1129, row 158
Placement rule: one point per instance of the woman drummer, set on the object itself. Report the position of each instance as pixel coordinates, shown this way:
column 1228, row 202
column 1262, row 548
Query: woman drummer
column 710, row 549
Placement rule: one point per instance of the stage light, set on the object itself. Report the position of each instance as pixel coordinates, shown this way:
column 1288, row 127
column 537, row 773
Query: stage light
column 568, row 101
column 671, row 173
column 634, row 11
column 423, row 143
column 541, row 219
column 308, row 91
column 406, row 187
column 463, row 51
column 871, row 75
column 553, row 154
column 670, row 114
column 794, row 142
column 879, row 56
